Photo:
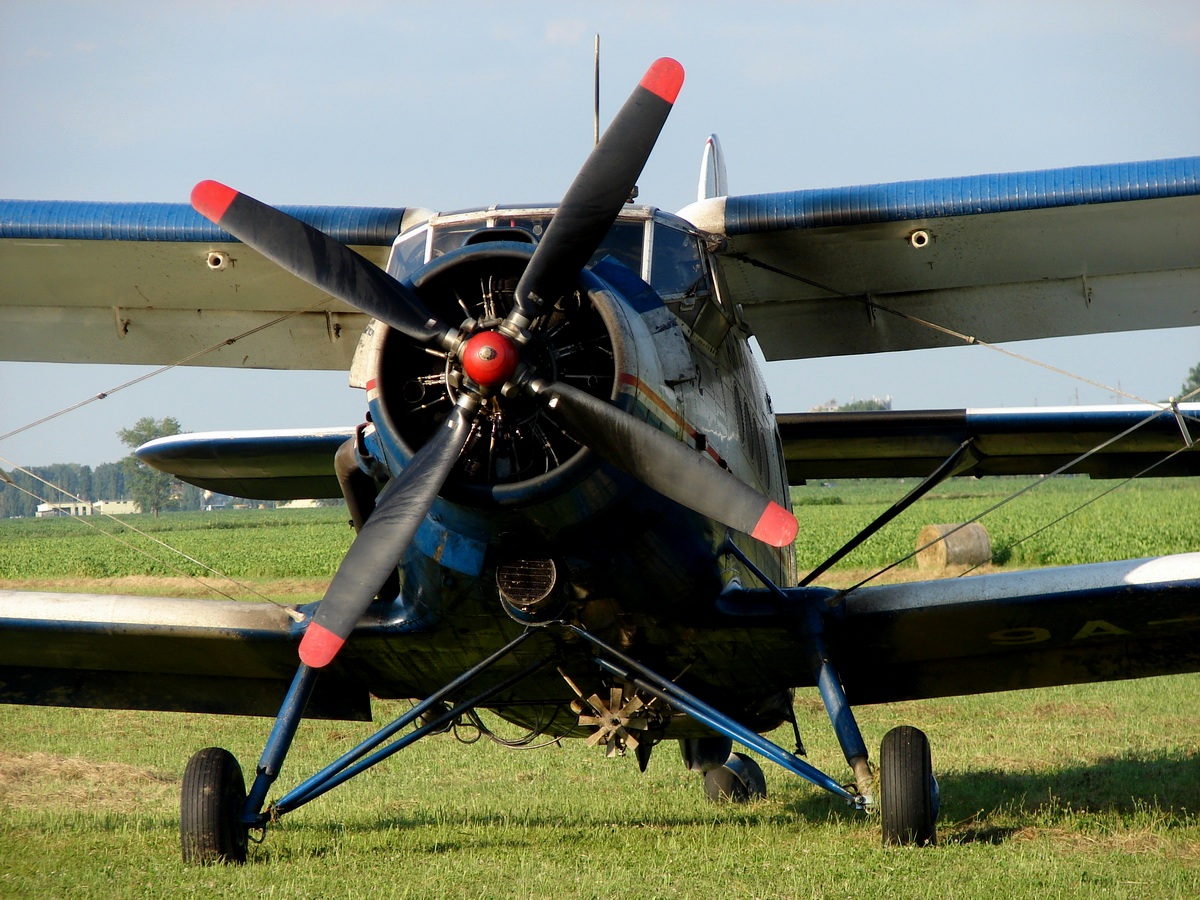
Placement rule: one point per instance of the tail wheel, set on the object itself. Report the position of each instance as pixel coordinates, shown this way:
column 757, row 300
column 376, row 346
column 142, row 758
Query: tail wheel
column 210, row 809
column 908, row 798
column 740, row 780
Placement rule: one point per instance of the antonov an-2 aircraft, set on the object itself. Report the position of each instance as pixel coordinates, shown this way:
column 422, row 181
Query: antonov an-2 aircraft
column 571, row 491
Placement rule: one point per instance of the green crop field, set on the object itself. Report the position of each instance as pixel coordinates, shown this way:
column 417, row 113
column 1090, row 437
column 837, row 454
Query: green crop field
column 262, row 544
column 1150, row 517
column 1065, row 792
column 1144, row 518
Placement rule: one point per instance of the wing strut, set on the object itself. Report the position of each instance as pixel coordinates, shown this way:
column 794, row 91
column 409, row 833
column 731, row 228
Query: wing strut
column 955, row 463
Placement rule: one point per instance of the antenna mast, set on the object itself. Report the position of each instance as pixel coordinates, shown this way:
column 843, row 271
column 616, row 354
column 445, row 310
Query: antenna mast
column 596, row 97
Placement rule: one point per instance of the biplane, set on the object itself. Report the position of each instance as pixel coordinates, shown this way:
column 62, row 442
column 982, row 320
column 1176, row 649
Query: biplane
column 571, row 492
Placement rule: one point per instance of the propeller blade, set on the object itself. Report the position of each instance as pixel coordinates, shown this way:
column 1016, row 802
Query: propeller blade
column 318, row 259
column 378, row 547
column 668, row 466
column 601, row 188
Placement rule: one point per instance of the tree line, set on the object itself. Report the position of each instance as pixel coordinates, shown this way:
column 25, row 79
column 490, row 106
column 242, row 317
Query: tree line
column 127, row 479
column 105, row 482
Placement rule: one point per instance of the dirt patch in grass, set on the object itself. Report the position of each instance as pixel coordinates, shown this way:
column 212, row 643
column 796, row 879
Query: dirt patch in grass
column 290, row 589
column 1077, row 712
column 1132, row 841
column 45, row 780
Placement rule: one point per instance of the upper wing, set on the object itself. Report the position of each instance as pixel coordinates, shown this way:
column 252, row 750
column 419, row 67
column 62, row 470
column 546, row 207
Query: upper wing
column 153, row 283
column 1113, row 441
column 994, row 257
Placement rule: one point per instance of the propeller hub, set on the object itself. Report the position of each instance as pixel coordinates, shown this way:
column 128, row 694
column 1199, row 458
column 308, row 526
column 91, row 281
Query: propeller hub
column 489, row 359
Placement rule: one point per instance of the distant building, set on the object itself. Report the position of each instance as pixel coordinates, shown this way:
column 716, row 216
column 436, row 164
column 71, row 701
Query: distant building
column 84, row 508
column 299, row 504
column 116, row 507
column 69, row 508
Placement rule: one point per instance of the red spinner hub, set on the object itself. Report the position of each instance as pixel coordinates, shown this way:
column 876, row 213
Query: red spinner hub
column 490, row 359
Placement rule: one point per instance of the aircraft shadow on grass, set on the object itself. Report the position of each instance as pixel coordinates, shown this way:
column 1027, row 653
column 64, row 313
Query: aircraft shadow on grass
column 1166, row 785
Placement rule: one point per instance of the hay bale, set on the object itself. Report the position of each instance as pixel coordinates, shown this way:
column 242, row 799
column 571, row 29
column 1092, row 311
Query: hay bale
column 969, row 546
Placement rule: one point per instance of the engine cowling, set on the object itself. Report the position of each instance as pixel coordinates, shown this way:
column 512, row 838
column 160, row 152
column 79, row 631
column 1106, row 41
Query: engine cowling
column 515, row 452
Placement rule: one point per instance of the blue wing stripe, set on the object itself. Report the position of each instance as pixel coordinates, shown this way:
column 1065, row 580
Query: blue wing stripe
column 905, row 200
column 92, row 221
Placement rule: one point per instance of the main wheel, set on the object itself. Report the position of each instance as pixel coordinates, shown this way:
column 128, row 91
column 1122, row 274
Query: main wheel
column 907, row 790
column 210, row 809
column 740, row 780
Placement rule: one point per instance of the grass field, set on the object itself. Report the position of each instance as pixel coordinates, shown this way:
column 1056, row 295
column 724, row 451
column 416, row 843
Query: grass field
column 1075, row 792
column 1089, row 791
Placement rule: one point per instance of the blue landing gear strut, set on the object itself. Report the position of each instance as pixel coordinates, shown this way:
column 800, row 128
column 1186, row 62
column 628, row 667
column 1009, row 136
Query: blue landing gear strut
column 621, row 666
column 199, row 833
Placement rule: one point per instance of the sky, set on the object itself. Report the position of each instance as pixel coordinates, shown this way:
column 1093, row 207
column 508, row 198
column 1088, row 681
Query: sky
column 455, row 105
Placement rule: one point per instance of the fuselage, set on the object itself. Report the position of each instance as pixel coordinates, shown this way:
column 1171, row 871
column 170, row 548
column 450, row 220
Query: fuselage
column 532, row 527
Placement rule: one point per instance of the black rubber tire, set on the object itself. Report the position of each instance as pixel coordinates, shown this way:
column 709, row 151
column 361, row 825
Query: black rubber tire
column 740, row 782
column 210, row 809
column 907, row 805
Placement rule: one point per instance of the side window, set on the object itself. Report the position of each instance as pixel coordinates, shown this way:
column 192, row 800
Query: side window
column 679, row 272
column 624, row 243
column 677, row 268
column 409, row 253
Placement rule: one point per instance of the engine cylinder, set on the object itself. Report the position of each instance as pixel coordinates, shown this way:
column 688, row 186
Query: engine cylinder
column 515, row 451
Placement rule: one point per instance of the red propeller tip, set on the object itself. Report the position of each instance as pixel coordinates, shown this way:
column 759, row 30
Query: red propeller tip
column 319, row 646
column 776, row 526
column 664, row 78
column 211, row 199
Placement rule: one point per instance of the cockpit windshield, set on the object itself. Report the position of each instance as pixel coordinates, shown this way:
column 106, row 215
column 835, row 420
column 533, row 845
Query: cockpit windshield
column 624, row 241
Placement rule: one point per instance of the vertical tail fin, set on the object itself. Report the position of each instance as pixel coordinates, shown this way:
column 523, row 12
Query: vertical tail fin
column 712, row 171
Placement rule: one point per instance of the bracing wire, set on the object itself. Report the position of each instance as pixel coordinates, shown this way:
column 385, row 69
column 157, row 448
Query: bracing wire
column 1074, row 510
column 83, row 520
column 295, row 614
column 103, row 395
column 1061, row 470
column 874, row 305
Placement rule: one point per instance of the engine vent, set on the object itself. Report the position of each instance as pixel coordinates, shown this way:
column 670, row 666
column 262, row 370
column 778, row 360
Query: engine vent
column 527, row 583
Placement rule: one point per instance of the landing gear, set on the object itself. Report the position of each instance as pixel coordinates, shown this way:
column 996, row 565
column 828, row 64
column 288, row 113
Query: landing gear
column 908, row 795
column 740, row 780
column 210, row 809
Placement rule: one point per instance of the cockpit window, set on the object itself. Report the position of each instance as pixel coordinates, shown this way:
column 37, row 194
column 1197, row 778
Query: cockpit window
column 677, row 267
column 624, row 241
column 451, row 237
column 409, row 253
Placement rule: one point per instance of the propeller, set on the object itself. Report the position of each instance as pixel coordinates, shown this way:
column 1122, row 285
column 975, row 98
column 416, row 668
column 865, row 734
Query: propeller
column 491, row 360
column 668, row 466
column 601, row 188
column 384, row 537
column 318, row 259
